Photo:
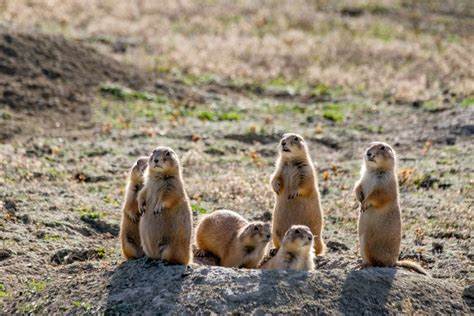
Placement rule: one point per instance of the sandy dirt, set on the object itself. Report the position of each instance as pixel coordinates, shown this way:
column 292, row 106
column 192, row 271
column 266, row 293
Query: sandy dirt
column 81, row 98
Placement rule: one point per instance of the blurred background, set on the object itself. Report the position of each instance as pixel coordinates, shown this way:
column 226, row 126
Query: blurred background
column 88, row 86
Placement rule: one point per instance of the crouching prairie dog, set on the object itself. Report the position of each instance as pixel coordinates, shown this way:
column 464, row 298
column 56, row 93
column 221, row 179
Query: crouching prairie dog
column 129, row 227
column 296, row 192
column 296, row 251
column 380, row 225
column 166, row 223
column 229, row 236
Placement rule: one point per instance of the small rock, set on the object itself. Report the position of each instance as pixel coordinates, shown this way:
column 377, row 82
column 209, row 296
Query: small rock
column 469, row 292
column 451, row 140
column 214, row 151
column 427, row 182
column 467, row 130
column 336, row 246
column 82, row 177
column 417, row 104
column 265, row 217
column 325, row 191
column 5, row 254
column 444, row 186
column 67, row 256
column 327, row 141
column 101, row 226
column 352, row 11
column 25, row 218
column 10, row 206
column 437, row 247
column 266, row 152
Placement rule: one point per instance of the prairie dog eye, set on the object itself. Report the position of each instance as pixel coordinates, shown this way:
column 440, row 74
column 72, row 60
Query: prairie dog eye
column 295, row 138
column 168, row 154
column 255, row 228
column 382, row 148
column 297, row 231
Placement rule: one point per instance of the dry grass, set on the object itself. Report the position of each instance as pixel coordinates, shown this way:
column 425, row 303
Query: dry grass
column 404, row 50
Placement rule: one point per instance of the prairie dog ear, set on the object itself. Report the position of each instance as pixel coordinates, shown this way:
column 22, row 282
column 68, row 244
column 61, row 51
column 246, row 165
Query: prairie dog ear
column 142, row 161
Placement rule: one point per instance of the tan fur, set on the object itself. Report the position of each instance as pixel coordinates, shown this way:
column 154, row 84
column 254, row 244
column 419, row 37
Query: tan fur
column 233, row 239
column 380, row 217
column 129, row 228
column 296, row 190
column 166, row 224
column 296, row 251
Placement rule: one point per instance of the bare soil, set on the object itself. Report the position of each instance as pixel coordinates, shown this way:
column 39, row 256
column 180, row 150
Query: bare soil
column 83, row 98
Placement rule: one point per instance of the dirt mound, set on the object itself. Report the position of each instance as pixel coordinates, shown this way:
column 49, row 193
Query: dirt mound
column 39, row 72
column 140, row 286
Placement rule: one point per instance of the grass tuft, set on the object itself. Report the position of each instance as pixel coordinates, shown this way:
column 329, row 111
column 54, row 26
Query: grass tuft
column 199, row 209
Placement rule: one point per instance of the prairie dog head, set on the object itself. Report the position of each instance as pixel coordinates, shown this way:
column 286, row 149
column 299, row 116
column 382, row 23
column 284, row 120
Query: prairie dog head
column 163, row 160
column 138, row 169
column 379, row 156
column 256, row 233
column 297, row 238
column 292, row 145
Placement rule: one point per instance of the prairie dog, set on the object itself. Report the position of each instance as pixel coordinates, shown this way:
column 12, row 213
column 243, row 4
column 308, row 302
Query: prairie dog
column 129, row 228
column 380, row 225
column 166, row 223
column 296, row 251
column 296, row 192
column 237, row 242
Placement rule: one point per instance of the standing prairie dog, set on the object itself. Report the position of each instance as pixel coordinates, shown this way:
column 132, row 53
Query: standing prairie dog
column 233, row 239
column 129, row 228
column 166, row 223
column 296, row 191
column 296, row 251
column 380, row 226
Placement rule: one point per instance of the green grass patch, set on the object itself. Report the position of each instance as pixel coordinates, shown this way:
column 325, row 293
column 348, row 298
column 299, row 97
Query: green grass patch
column 280, row 108
column 52, row 237
column 80, row 304
column 375, row 8
column 83, row 209
column 37, row 286
column 5, row 115
column 432, row 106
column 321, row 89
column 199, row 209
column 334, row 112
column 125, row 94
column 92, row 215
column 126, row 114
column 26, row 308
column 111, row 200
column 3, row 291
column 383, row 31
column 123, row 108
column 467, row 102
column 101, row 252
column 219, row 116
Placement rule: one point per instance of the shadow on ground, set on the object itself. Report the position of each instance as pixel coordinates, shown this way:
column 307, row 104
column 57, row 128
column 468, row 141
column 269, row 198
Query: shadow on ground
column 143, row 285
column 375, row 291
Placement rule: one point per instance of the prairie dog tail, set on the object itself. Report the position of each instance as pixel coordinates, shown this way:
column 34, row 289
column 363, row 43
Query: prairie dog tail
column 412, row 266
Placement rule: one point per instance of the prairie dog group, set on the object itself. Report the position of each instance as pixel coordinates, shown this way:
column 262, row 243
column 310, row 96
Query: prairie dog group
column 380, row 225
column 166, row 223
column 296, row 251
column 233, row 239
column 296, row 192
column 129, row 232
column 157, row 217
